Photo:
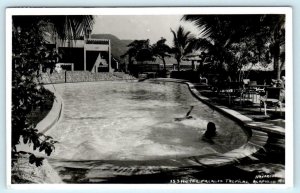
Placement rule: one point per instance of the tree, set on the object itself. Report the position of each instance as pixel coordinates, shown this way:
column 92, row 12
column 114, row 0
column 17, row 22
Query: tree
column 29, row 49
column 218, row 32
column 274, row 28
column 161, row 50
column 265, row 32
column 140, row 51
column 64, row 26
column 182, row 44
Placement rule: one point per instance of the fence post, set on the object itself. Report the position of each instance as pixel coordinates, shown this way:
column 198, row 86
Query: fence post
column 65, row 76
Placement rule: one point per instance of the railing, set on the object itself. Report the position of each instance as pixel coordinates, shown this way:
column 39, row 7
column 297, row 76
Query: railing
column 66, row 66
column 97, row 41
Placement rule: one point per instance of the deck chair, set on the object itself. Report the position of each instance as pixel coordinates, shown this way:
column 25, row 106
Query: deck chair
column 271, row 99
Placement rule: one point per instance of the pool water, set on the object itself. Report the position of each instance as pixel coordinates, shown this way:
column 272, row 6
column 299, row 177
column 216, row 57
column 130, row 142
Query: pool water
column 116, row 120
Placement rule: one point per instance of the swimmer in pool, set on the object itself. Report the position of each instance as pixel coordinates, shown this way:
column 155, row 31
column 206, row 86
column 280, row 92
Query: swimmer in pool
column 209, row 133
column 187, row 116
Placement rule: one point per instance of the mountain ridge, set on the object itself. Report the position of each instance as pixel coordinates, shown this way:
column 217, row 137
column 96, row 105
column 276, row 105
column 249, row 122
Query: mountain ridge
column 118, row 46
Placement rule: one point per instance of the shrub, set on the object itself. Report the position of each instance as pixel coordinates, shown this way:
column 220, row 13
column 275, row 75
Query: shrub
column 29, row 55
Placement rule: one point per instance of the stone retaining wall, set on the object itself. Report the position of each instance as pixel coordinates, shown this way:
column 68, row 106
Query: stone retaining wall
column 82, row 76
column 25, row 173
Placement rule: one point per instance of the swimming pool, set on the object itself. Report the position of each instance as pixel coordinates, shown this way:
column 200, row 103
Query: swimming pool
column 117, row 120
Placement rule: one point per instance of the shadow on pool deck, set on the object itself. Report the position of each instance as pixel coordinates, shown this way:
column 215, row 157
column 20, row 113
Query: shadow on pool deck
column 264, row 167
column 218, row 175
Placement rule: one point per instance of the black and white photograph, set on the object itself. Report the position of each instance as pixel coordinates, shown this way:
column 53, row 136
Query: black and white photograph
column 149, row 96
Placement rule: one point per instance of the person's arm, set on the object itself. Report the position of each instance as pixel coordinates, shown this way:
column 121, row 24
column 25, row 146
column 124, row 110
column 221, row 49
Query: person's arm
column 188, row 113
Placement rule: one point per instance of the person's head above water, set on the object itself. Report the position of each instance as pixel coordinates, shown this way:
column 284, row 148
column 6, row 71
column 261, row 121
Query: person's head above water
column 210, row 130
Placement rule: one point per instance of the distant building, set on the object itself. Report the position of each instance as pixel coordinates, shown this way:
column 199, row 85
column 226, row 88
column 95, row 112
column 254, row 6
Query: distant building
column 85, row 54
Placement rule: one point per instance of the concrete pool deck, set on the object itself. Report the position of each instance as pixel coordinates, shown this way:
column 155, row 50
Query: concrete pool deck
column 247, row 122
column 242, row 119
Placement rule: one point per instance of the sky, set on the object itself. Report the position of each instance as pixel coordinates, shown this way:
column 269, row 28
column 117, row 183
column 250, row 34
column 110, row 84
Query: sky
column 132, row 27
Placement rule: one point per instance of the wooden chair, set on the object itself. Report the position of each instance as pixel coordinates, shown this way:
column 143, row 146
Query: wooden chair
column 251, row 91
column 236, row 90
column 271, row 99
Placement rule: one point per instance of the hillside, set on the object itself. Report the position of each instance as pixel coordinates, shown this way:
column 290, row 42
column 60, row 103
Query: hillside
column 118, row 47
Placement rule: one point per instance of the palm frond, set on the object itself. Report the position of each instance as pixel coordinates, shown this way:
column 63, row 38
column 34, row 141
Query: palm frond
column 71, row 27
column 174, row 38
column 64, row 26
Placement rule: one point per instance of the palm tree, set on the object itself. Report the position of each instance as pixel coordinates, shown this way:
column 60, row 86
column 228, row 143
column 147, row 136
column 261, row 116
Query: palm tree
column 161, row 50
column 132, row 51
column 182, row 44
column 140, row 51
column 218, row 31
column 274, row 28
column 267, row 32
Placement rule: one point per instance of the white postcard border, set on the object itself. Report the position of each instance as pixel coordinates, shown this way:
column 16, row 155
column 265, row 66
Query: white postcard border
column 157, row 11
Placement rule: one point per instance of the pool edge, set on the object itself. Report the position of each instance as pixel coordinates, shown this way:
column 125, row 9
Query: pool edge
column 54, row 114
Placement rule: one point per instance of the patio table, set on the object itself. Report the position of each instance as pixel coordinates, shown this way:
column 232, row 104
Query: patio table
column 252, row 93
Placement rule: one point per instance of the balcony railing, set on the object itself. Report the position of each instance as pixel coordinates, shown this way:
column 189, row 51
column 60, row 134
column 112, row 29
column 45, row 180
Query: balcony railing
column 97, row 41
